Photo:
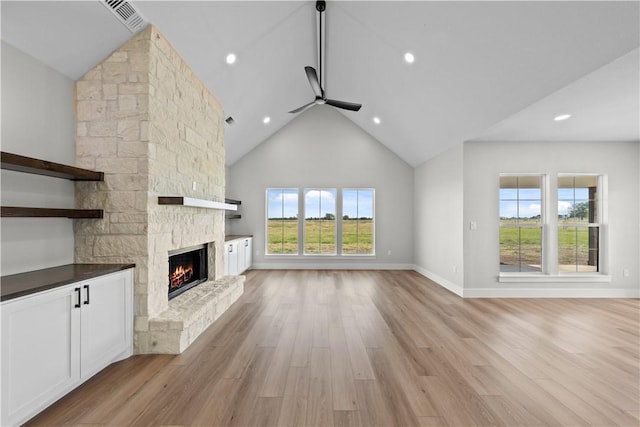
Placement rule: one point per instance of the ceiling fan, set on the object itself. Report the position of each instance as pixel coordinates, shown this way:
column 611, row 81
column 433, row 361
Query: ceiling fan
column 312, row 76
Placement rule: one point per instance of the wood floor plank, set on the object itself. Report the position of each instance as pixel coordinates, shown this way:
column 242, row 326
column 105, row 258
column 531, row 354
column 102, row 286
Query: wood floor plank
column 360, row 365
column 377, row 349
column 320, row 402
column 398, row 403
column 296, row 397
column 245, row 393
column 304, row 338
column 342, row 385
column 375, row 410
column 432, row 422
column 347, row 419
column 278, row 370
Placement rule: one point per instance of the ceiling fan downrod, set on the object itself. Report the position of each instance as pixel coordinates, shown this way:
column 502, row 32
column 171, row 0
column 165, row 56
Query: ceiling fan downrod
column 312, row 76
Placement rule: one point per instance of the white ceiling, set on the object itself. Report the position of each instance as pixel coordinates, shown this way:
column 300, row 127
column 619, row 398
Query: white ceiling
column 483, row 70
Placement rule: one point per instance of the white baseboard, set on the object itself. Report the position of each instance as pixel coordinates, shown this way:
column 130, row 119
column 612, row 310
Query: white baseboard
column 550, row 293
column 516, row 292
column 319, row 265
column 510, row 292
column 447, row 284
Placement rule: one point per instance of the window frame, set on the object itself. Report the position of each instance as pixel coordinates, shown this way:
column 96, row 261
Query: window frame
column 373, row 221
column 550, row 268
column 266, row 223
column 304, row 219
column 599, row 208
column 542, row 224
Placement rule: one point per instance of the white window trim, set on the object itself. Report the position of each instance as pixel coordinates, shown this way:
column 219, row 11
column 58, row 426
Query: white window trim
column 544, row 214
column 301, row 234
column 373, row 223
column 550, row 268
column 553, row 278
column 266, row 223
column 304, row 218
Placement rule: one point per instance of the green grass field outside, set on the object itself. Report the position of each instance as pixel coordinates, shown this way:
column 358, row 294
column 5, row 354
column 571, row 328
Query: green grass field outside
column 320, row 238
column 524, row 245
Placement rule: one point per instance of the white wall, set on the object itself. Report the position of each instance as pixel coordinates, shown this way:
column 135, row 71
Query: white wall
column 484, row 161
column 37, row 121
column 322, row 148
column 438, row 207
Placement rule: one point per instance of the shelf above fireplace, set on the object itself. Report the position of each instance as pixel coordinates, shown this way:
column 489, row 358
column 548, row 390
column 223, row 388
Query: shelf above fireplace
column 196, row 203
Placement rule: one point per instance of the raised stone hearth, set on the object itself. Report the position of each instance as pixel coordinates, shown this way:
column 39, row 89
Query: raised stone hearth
column 150, row 124
column 190, row 313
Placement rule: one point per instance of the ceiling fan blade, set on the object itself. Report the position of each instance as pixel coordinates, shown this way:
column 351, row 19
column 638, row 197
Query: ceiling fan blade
column 344, row 105
column 304, row 107
column 313, row 81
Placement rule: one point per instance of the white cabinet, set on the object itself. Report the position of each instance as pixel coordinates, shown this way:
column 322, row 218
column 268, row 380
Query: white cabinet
column 106, row 322
column 231, row 258
column 238, row 255
column 245, row 251
column 54, row 340
column 40, row 352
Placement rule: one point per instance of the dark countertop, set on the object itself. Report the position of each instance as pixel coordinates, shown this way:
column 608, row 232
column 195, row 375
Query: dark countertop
column 21, row 284
column 230, row 237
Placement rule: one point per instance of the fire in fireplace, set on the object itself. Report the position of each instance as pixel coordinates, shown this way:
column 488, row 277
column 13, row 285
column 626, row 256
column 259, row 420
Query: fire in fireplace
column 187, row 268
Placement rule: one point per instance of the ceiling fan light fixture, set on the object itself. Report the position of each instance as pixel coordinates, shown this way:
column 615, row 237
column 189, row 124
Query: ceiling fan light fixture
column 409, row 58
column 231, row 58
column 561, row 117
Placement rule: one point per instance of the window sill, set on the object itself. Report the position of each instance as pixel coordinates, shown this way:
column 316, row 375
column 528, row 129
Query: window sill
column 320, row 256
column 555, row 278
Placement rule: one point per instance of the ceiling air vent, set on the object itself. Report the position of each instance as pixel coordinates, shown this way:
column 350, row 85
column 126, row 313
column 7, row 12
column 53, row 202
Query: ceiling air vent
column 126, row 13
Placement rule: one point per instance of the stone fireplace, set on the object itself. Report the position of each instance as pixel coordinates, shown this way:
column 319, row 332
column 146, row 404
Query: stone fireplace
column 188, row 267
column 148, row 122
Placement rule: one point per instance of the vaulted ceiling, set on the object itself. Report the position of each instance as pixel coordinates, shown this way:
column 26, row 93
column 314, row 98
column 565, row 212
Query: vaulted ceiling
column 483, row 70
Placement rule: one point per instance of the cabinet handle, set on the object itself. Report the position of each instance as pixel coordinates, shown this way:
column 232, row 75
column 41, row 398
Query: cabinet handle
column 87, row 300
column 246, row 243
column 78, row 294
column 230, row 248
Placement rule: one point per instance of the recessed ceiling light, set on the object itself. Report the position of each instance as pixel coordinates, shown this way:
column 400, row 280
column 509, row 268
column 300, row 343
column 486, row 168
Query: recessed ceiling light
column 231, row 58
column 376, row 120
column 409, row 58
column 266, row 120
column 561, row 117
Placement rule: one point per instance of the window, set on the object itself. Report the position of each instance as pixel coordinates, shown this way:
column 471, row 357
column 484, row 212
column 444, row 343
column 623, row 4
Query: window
column 357, row 222
column 521, row 223
column 578, row 223
column 282, row 221
column 320, row 221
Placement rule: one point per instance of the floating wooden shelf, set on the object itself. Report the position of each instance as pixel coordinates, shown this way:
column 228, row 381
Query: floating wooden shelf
column 15, row 162
column 233, row 202
column 237, row 216
column 21, row 212
column 196, row 203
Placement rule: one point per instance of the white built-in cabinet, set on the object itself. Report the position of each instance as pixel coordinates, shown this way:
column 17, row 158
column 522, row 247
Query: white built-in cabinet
column 54, row 340
column 238, row 255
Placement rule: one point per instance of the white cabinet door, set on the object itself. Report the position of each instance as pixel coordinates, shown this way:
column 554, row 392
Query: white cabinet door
column 231, row 249
column 241, row 248
column 106, row 321
column 248, row 253
column 40, row 351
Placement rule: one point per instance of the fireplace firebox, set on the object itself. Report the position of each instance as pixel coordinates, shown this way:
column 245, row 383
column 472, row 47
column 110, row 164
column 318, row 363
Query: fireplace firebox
column 187, row 268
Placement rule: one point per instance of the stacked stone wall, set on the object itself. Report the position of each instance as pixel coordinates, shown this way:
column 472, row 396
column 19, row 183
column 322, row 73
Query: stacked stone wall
column 148, row 122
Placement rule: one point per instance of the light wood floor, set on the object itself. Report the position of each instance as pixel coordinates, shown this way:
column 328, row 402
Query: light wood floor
column 379, row 348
